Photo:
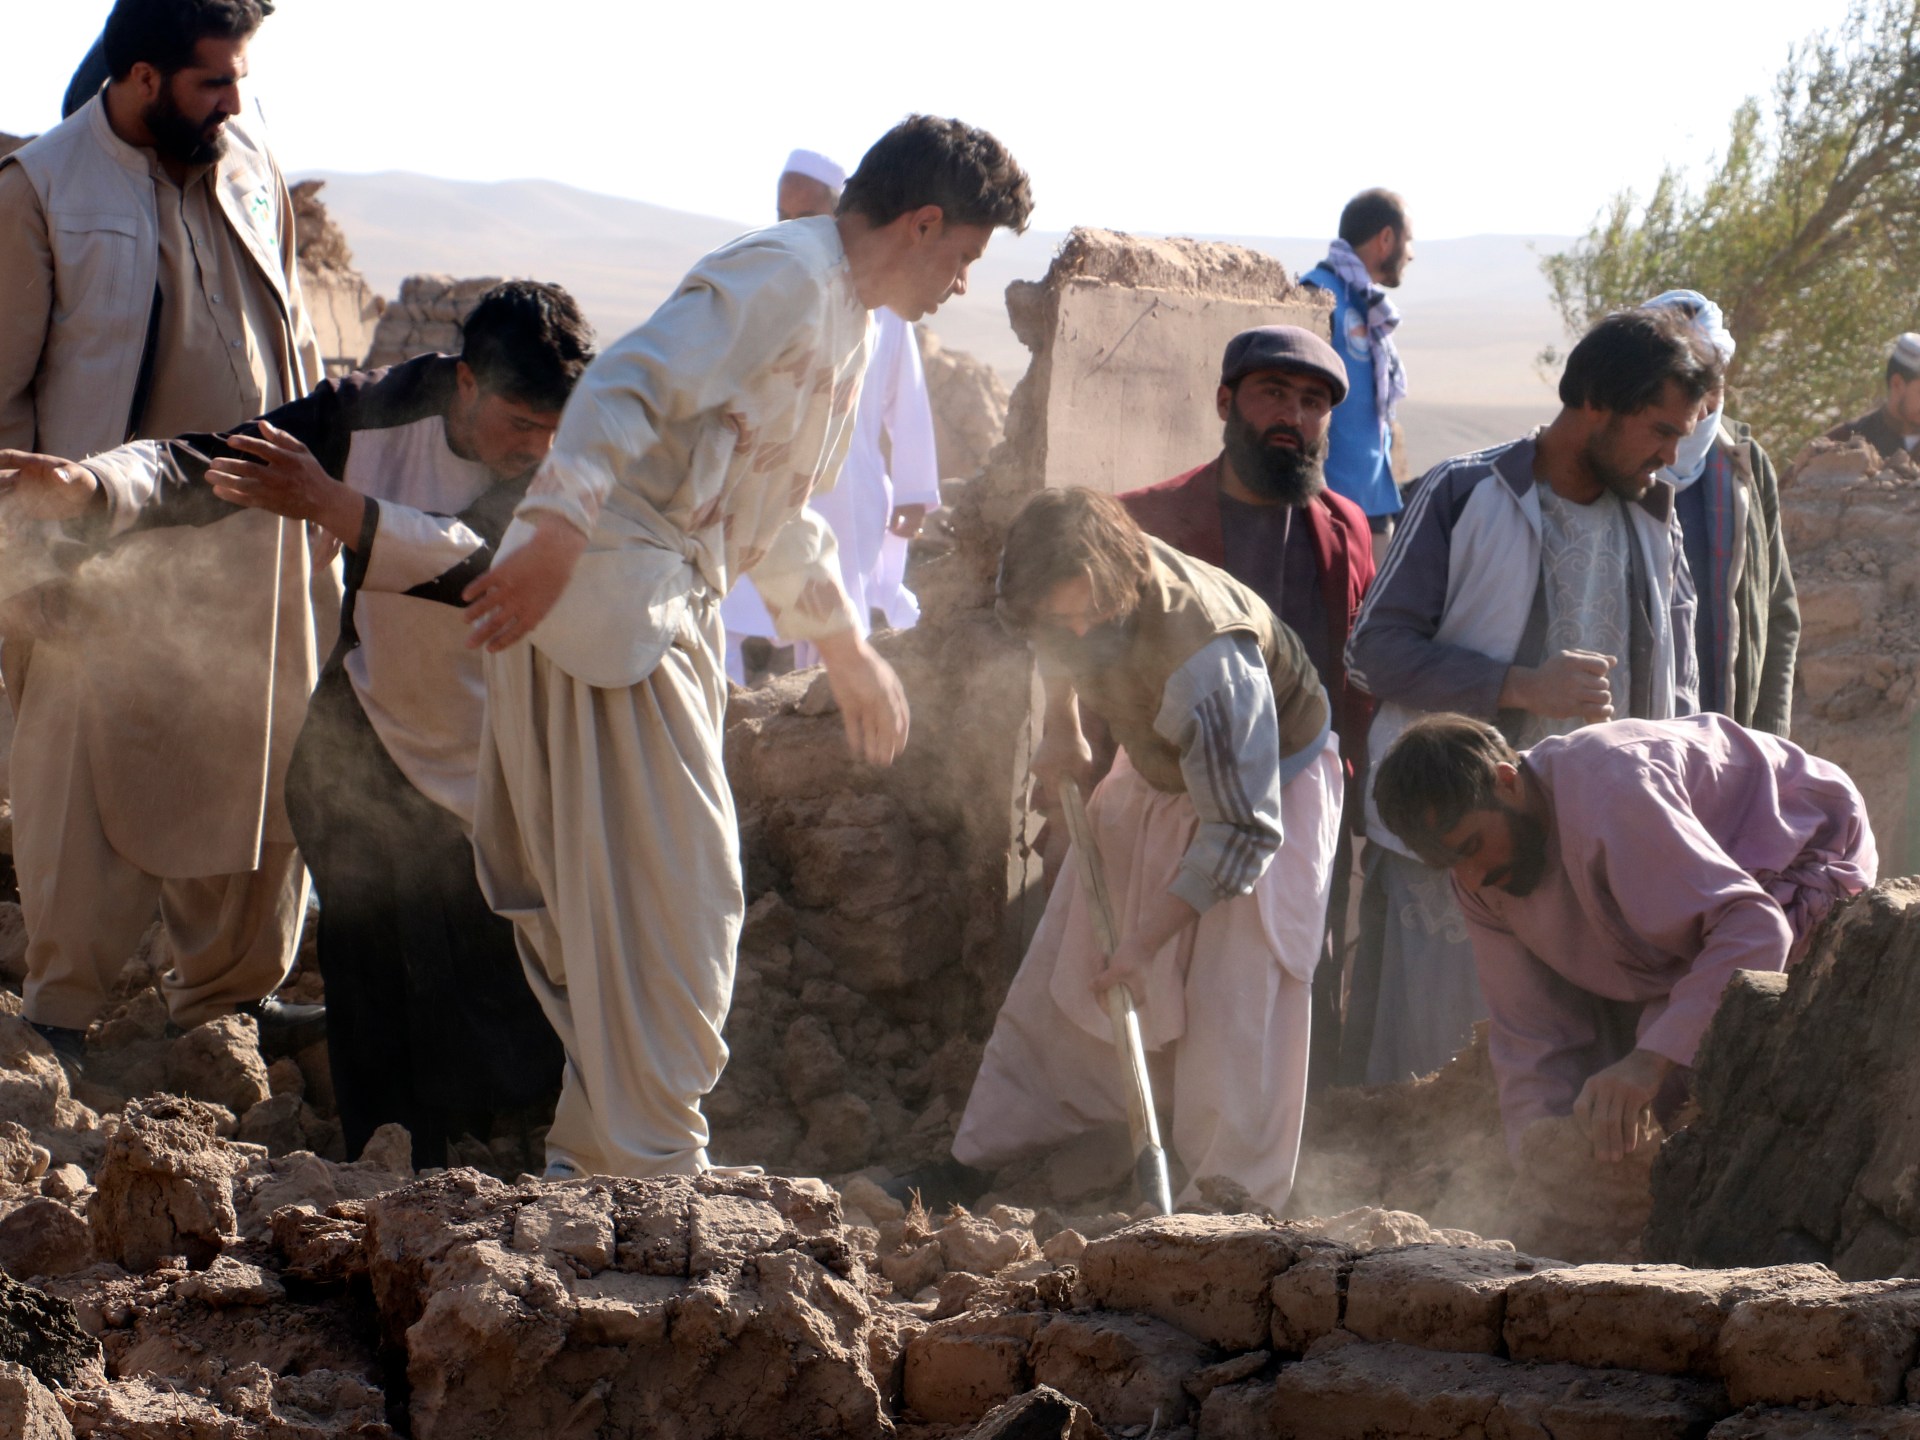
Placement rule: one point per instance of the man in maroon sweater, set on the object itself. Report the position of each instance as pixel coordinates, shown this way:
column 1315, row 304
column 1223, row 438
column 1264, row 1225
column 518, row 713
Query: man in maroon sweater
column 1261, row 511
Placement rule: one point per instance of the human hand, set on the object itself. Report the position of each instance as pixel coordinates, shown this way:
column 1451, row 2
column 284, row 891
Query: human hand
column 1615, row 1107
column 284, row 478
column 45, row 487
column 872, row 703
column 516, row 593
column 907, row 520
column 1569, row 683
column 1129, row 965
column 36, row 614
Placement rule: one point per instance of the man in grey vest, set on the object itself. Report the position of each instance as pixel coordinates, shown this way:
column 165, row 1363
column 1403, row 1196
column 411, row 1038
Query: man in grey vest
column 147, row 257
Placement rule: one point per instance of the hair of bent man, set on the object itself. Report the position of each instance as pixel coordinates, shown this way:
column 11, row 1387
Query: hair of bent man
column 527, row 341
column 1623, row 363
column 925, row 160
column 1061, row 535
column 1440, row 770
column 1370, row 212
column 165, row 33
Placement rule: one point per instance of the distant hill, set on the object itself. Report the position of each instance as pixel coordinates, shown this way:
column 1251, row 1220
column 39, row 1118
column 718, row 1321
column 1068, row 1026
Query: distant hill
column 1476, row 309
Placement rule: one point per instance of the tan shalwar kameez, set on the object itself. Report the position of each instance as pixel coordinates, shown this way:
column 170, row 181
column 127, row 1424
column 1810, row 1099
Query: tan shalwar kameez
column 154, row 727
column 605, row 826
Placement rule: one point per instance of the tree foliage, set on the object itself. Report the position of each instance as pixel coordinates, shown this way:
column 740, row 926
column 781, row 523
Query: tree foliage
column 1806, row 231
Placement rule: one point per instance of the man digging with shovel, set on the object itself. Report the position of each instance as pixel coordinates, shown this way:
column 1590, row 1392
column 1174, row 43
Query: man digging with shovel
column 1215, row 831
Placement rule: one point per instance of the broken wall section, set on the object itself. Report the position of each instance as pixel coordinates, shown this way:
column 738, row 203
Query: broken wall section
column 1852, row 524
column 341, row 304
column 889, row 908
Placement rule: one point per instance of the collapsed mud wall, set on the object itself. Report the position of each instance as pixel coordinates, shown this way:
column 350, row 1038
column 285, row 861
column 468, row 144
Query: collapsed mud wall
column 341, row 304
column 425, row 317
column 969, row 404
column 1852, row 523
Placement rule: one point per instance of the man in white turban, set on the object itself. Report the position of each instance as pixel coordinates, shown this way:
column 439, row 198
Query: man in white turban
column 1747, row 626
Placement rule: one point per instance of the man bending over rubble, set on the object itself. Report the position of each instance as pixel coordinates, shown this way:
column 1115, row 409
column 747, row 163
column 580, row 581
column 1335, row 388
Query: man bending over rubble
column 1216, row 828
column 1612, row 880
column 415, row 471
column 684, row 460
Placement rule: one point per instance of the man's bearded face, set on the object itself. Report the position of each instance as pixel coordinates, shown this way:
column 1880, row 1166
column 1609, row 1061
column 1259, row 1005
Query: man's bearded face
column 1277, row 463
column 183, row 138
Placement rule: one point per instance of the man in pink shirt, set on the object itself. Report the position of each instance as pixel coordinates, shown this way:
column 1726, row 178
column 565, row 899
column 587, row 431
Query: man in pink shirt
column 1612, row 880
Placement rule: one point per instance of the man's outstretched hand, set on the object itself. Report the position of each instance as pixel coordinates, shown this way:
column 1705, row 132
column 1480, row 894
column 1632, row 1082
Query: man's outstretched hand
column 45, row 487
column 871, row 701
column 517, row 592
column 1615, row 1107
column 276, row 472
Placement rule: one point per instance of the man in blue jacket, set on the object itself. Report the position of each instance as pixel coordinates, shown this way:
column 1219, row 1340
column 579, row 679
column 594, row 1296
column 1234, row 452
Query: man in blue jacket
column 1370, row 258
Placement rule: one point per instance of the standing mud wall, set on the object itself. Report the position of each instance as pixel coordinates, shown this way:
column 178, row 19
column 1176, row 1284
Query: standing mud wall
column 341, row 304
column 1852, row 523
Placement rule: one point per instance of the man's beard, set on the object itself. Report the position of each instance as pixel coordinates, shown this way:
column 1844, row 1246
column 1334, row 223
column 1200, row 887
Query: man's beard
column 1619, row 479
column 1527, row 842
column 1292, row 475
column 179, row 139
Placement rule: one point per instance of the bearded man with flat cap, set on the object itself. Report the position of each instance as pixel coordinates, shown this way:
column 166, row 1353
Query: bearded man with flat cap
column 1261, row 510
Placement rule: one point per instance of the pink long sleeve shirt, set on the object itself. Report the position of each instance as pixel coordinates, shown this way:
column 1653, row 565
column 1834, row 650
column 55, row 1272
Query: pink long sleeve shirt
column 1679, row 851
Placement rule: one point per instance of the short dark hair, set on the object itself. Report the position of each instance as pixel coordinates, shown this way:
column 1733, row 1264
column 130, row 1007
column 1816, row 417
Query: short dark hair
column 1622, row 365
column 1060, row 535
column 925, row 160
column 1905, row 372
column 1439, row 771
column 165, row 33
column 1370, row 212
column 528, row 342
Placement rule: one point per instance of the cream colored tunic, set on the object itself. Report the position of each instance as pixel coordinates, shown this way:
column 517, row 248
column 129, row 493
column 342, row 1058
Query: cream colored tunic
column 689, row 449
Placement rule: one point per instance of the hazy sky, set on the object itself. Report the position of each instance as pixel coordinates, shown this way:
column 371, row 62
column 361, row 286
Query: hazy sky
column 1495, row 116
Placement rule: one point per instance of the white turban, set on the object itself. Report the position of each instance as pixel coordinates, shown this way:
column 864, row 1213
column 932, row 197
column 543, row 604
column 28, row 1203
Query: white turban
column 815, row 166
column 1705, row 315
column 1906, row 352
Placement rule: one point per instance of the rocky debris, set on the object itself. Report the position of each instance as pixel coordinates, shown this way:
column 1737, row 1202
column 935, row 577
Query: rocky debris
column 1803, row 1145
column 425, row 318
column 1040, row 1414
column 28, row 1410
column 1439, row 1296
column 969, row 404
column 165, row 1187
column 44, row 1237
column 1565, row 1202
column 43, row 1334
column 1211, row 1275
column 33, row 1086
column 716, row 1306
column 1838, row 1423
column 250, row 1403
column 1852, row 523
column 219, row 1062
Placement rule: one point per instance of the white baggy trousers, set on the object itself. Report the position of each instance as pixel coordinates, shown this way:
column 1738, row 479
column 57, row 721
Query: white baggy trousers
column 1240, row 1051
column 605, row 832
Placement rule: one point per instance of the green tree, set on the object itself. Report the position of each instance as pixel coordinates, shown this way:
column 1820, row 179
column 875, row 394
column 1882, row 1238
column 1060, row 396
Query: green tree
column 1806, row 231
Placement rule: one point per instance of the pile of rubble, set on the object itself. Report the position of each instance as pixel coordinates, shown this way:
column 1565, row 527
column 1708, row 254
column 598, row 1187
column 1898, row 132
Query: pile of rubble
column 340, row 302
column 195, row 1285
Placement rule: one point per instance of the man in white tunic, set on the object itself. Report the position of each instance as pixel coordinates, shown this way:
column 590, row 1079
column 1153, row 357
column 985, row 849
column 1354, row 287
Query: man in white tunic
column 884, row 492
column 605, row 827
column 151, row 289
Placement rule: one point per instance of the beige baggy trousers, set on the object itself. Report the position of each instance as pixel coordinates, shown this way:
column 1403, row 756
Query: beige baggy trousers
column 605, row 832
column 1239, row 1049
column 87, row 906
